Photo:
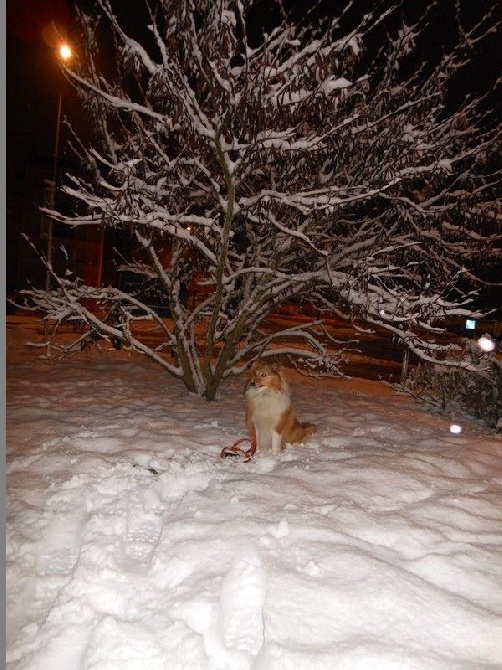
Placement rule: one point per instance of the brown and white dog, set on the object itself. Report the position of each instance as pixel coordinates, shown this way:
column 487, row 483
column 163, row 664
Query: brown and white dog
column 270, row 417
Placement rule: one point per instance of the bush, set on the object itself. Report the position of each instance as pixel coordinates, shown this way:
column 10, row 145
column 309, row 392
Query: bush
column 457, row 390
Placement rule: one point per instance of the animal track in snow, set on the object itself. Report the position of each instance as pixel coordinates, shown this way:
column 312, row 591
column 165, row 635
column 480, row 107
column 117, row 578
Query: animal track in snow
column 242, row 599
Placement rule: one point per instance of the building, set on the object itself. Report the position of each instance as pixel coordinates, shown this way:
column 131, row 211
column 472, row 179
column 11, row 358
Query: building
column 29, row 187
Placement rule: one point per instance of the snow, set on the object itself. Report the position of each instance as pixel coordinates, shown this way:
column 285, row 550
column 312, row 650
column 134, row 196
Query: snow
column 132, row 545
column 355, row 44
column 334, row 83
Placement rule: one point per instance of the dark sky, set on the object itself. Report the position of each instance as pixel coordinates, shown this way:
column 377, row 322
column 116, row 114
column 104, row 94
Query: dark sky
column 33, row 76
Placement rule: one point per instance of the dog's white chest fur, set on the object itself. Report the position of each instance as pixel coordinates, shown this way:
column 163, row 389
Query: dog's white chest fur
column 266, row 406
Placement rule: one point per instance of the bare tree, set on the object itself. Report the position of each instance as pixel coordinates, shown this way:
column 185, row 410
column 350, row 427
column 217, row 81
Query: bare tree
column 277, row 168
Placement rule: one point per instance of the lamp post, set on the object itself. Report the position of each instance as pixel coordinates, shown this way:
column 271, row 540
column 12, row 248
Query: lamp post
column 64, row 55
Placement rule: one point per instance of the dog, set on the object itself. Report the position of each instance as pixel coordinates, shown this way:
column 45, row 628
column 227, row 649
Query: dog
column 270, row 417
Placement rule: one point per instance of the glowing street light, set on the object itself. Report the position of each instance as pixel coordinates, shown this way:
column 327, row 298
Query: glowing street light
column 65, row 54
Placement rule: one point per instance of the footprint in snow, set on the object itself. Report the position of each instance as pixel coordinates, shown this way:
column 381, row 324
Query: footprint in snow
column 60, row 547
column 242, row 599
column 137, row 548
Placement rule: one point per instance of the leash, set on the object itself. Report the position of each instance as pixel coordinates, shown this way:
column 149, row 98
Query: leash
column 236, row 451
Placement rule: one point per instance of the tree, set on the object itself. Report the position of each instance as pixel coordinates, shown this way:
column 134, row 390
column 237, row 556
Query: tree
column 298, row 165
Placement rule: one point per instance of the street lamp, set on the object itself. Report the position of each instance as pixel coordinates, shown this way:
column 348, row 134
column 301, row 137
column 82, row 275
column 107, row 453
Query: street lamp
column 64, row 54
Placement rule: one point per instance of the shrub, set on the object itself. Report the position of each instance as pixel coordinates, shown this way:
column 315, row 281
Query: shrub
column 457, row 390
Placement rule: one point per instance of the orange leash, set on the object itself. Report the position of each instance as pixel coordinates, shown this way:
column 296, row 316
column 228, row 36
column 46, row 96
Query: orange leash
column 235, row 450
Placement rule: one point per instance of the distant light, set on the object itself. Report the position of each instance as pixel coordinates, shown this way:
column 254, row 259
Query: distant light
column 455, row 428
column 486, row 343
column 470, row 324
column 65, row 51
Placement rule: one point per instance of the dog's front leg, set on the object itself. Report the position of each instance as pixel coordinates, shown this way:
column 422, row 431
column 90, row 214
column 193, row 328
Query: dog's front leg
column 276, row 443
column 258, row 437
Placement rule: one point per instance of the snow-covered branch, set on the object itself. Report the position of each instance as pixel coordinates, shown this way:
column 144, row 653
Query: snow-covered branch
column 303, row 165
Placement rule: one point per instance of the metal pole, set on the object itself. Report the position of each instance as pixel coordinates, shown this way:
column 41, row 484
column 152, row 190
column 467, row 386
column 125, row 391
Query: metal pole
column 404, row 369
column 53, row 196
column 49, row 219
column 100, row 261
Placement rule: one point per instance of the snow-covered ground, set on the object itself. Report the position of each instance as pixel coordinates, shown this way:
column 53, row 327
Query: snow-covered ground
column 132, row 546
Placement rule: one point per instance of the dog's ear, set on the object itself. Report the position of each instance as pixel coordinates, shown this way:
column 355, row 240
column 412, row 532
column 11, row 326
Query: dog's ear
column 276, row 367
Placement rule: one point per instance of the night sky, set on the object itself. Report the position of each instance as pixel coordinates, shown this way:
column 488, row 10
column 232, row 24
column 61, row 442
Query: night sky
column 33, row 76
